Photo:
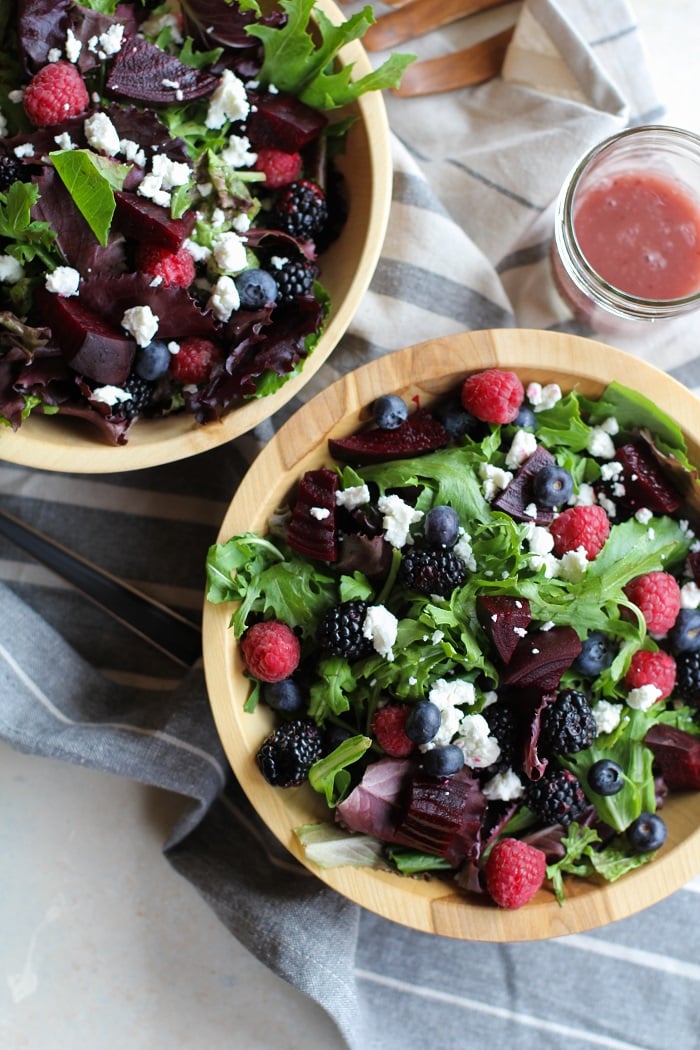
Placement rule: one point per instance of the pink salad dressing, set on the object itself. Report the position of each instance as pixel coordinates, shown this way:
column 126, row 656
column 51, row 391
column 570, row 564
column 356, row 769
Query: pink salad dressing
column 641, row 233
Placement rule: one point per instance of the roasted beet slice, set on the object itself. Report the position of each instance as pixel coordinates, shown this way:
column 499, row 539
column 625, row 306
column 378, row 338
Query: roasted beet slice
column 505, row 619
column 312, row 530
column 91, row 345
column 283, row 122
column 419, row 434
column 443, row 816
column 142, row 72
column 644, row 482
column 518, row 495
column 140, row 218
column 541, row 658
column 678, row 755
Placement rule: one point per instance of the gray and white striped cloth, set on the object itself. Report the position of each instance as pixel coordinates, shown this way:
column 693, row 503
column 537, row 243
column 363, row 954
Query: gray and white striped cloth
column 466, row 248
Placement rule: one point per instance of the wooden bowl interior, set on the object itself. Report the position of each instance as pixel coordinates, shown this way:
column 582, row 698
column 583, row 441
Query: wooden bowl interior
column 71, row 445
column 426, row 371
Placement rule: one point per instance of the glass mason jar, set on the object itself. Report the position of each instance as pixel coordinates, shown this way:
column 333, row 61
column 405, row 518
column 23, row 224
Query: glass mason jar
column 626, row 245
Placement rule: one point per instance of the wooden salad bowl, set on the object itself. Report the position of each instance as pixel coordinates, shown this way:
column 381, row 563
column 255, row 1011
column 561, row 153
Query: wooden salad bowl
column 426, row 371
column 72, row 445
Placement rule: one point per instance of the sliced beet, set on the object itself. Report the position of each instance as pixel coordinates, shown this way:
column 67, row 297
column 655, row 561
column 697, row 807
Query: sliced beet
column 644, row 481
column 283, row 122
column 309, row 532
column 420, row 433
column 678, row 755
column 93, row 347
column 505, row 619
column 442, row 816
column 518, row 495
column 541, row 658
column 140, row 218
column 142, row 72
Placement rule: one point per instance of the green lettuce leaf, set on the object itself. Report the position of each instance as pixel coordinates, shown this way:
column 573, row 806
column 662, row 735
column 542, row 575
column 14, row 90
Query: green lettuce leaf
column 91, row 181
column 329, row 775
column 330, row 847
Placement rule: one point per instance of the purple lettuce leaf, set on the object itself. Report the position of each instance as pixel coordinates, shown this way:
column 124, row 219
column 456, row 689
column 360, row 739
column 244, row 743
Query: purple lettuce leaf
column 533, row 764
column 87, row 24
column 41, row 25
column 179, row 314
column 216, row 23
column 374, row 807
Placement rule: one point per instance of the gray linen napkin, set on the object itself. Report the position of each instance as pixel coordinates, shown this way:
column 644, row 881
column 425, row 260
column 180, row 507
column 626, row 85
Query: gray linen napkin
column 467, row 248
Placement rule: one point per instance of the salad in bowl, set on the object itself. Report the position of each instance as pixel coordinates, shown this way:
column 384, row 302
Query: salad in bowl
column 466, row 641
column 172, row 179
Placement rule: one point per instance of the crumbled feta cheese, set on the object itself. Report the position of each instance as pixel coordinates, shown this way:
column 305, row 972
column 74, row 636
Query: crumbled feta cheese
column 548, row 562
column 541, row 397
column 547, row 625
column 150, row 187
column 112, row 39
column 608, row 505
column 690, row 595
column 585, row 497
column 64, row 281
column 237, row 152
column 600, row 444
column 319, row 513
column 133, row 153
column 480, row 749
column 463, row 550
column 643, row 515
column 110, row 395
column 437, row 637
column 3, row 125
column 54, row 54
column 642, row 698
column 381, row 626
column 353, row 496
column 531, row 510
column 101, row 134
column 11, row 270
column 73, row 46
column 503, row 787
column 199, row 252
column 25, row 149
column 278, row 261
column 16, row 95
column 522, row 446
column 224, row 298
column 229, row 253
column 573, row 565
column 141, row 322
column 64, row 141
column 611, row 470
column 229, row 101
column 241, row 223
column 156, row 281
column 490, row 698
column 610, row 426
column 450, row 719
column 539, row 539
column 173, row 347
column 452, row 692
column 494, row 479
column 606, row 715
column 171, row 173
column 520, row 631
column 397, row 519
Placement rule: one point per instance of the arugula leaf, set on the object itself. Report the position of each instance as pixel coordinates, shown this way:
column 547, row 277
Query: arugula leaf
column 413, row 862
column 32, row 239
column 104, row 7
column 294, row 62
column 332, row 692
column 329, row 775
column 91, row 181
column 584, row 857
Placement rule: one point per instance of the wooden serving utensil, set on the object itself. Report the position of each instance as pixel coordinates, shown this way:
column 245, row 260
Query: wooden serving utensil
column 470, row 65
column 417, row 17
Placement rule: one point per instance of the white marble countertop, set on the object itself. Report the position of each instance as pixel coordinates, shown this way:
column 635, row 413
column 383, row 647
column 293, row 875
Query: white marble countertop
column 103, row 945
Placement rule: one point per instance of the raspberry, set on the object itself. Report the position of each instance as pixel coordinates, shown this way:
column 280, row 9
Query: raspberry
column 587, row 527
column 658, row 597
column 194, row 360
column 514, row 872
column 279, row 168
column 174, row 268
column 493, row 396
column 388, row 727
column 54, row 94
column 271, row 650
column 300, row 210
column 286, row 756
column 657, row 669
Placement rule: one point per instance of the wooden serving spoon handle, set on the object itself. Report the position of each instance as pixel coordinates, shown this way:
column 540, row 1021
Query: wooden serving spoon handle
column 471, row 65
column 417, row 17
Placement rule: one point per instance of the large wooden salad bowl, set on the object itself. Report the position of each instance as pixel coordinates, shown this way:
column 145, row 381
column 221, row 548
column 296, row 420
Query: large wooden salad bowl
column 66, row 444
column 426, row 371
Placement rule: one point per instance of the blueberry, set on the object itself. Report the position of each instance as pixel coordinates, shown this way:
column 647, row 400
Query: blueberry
column 552, row 486
column 606, row 777
column 256, row 288
column 389, row 411
column 283, row 696
column 152, row 361
column 441, row 526
column 647, row 833
column 525, row 419
column 443, row 761
column 456, row 420
column 422, row 722
column 597, row 653
column 685, row 633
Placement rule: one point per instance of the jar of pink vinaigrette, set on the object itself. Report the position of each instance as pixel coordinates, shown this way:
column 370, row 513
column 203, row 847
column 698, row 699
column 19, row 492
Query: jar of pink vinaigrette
column 627, row 229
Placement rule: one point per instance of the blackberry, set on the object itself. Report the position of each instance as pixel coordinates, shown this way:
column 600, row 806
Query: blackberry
column 141, row 391
column 10, row 171
column 300, row 210
column 286, row 756
column 296, row 277
column 340, row 630
column 557, row 797
column 434, row 571
column 567, row 724
column 503, row 726
column 688, row 676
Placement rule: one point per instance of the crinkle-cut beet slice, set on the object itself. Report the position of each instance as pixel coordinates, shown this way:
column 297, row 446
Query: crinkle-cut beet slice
column 312, row 529
column 41, row 25
column 541, row 658
column 142, row 219
column 92, row 346
column 179, row 315
column 505, row 619
column 142, row 72
column 283, row 122
column 419, row 434
column 518, row 495
column 442, row 816
column 644, row 481
column 678, row 755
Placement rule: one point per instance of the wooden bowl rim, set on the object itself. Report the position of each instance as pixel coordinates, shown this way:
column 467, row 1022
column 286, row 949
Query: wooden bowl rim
column 433, row 367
